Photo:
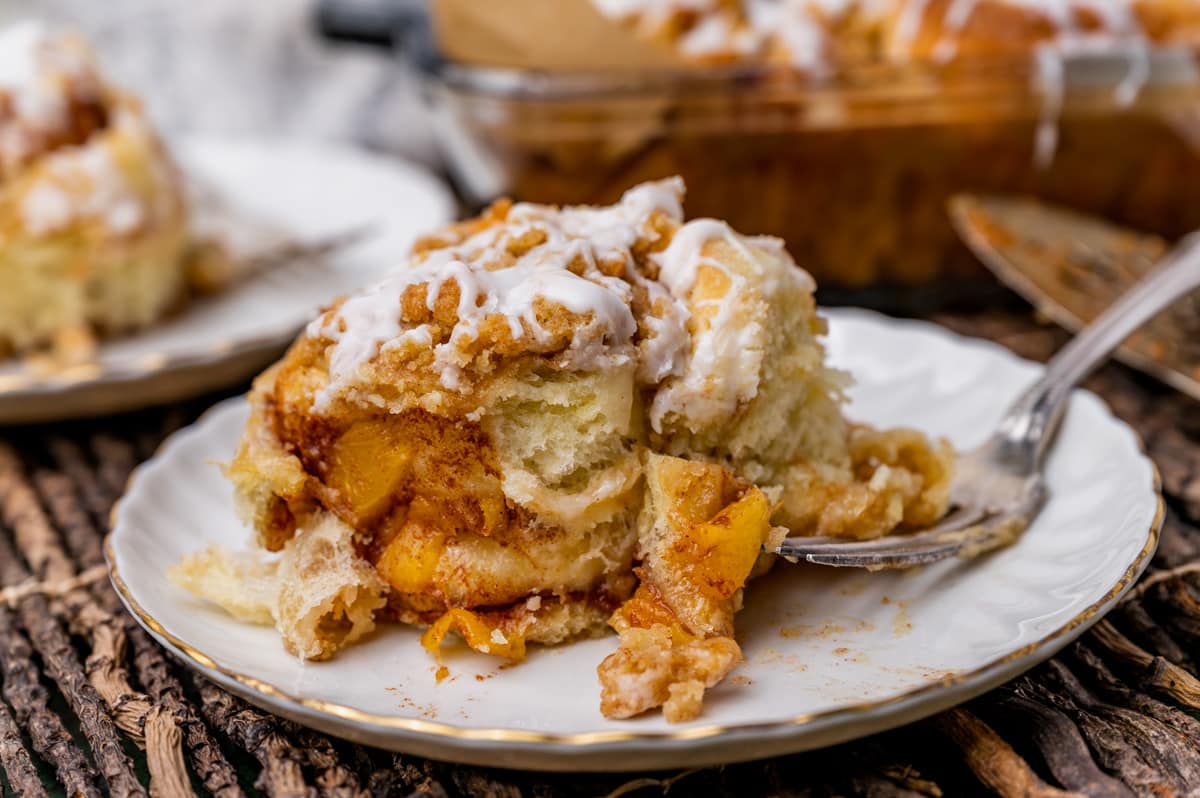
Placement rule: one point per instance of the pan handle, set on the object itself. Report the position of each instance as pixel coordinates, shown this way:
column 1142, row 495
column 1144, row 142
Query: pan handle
column 378, row 23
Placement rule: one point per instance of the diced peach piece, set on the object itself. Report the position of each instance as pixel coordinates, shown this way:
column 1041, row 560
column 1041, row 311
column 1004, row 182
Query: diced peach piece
column 410, row 560
column 689, row 491
column 718, row 554
column 368, row 463
column 479, row 634
column 644, row 609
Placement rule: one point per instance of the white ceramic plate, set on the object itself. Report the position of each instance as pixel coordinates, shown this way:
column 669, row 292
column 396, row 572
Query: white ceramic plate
column 306, row 190
column 830, row 655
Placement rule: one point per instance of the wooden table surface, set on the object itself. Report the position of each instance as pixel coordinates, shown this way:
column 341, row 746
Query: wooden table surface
column 84, row 689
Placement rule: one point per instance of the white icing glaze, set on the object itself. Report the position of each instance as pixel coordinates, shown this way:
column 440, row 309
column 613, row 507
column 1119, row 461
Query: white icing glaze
column 748, row 28
column 680, row 263
column 724, row 363
column 741, row 30
column 805, row 39
column 797, row 27
column 563, row 271
column 703, row 351
column 665, row 352
column 717, row 34
column 46, row 207
column 1117, row 22
column 655, row 11
column 39, row 72
column 613, row 228
column 801, row 29
column 20, row 54
column 1138, row 52
column 1049, row 75
column 86, row 183
column 908, row 24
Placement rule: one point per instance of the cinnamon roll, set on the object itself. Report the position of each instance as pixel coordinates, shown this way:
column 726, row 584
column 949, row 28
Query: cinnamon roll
column 92, row 213
column 550, row 420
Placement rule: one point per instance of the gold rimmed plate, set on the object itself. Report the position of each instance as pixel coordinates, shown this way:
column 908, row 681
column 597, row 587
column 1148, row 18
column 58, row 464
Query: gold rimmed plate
column 306, row 192
column 830, row 655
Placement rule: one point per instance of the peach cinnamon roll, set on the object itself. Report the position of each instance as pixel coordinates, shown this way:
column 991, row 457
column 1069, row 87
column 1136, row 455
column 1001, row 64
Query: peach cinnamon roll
column 549, row 420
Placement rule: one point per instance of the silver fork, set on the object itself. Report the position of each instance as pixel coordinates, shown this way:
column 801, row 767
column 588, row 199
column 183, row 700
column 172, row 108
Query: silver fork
column 998, row 487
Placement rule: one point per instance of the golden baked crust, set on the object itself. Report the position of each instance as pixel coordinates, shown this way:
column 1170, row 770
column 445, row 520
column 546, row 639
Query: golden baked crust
column 938, row 30
column 819, row 36
column 93, row 223
column 319, row 589
column 552, row 419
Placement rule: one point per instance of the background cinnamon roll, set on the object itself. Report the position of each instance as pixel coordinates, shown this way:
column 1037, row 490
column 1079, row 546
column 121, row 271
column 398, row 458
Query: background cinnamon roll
column 92, row 211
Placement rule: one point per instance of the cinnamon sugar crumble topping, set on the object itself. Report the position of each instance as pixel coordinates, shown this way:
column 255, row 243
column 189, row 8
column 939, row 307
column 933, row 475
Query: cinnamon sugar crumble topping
column 564, row 282
column 592, row 287
column 50, row 93
column 53, row 103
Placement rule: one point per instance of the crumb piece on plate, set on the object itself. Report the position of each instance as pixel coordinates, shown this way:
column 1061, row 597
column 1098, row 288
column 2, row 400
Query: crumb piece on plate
column 701, row 533
column 654, row 667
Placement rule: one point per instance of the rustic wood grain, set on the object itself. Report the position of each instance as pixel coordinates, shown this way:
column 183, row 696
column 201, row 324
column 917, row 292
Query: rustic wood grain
column 1158, row 673
column 1088, row 663
column 39, row 543
column 69, row 494
column 260, row 734
column 63, row 667
column 1059, row 743
column 18, row 766
column 30, row 700
column 83, row 541
column 994, row 761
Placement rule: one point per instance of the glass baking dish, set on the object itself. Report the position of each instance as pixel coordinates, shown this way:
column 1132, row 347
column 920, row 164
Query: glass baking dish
column 853, row 172
column 854, row 169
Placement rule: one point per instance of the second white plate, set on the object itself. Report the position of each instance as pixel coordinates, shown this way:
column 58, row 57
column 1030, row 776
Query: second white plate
column 307, row 190
column 830, row 654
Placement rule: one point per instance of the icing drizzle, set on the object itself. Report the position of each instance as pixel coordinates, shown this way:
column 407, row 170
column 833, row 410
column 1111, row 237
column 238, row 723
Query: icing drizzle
column 723, row 368
column 86, row 182
column 572, row 268
column 802, row 29
column 41, row 75
column 583, row 264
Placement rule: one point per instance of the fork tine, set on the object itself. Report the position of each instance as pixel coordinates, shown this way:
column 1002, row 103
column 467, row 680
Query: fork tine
column 960, row 518
column 992, row 533
column 927, row 546
column 877, row 560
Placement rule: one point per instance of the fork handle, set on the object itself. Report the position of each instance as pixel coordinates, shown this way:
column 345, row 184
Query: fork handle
column 1025, row 433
